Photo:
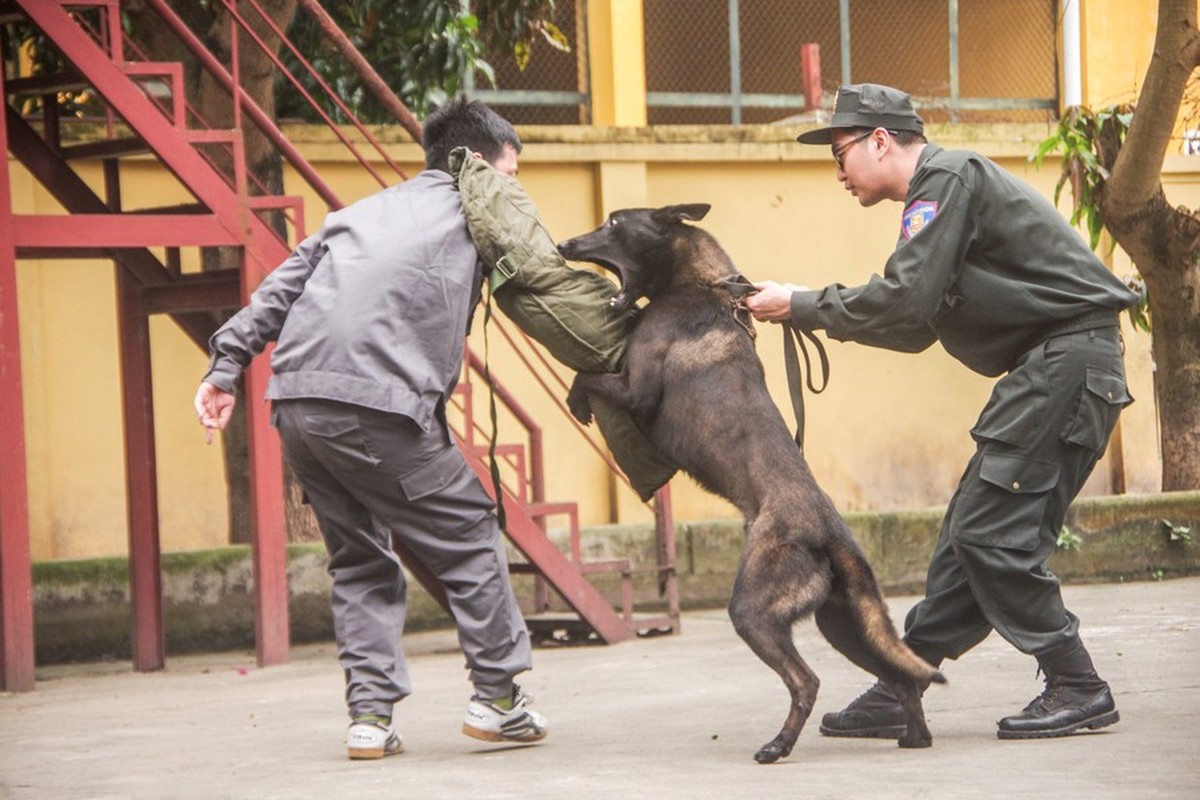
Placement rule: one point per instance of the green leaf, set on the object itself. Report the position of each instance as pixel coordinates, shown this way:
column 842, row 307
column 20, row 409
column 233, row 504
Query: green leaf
column 555, row 37
column 1177, row 533
column 1068, row 541
column 1095, row 228
column 486, row 69
column 1045, row 148
column 522, row 53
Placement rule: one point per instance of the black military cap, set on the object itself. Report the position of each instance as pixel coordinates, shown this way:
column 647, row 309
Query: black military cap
column 867, row 105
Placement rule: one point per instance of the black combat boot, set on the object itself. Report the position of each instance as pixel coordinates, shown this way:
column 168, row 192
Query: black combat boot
column 1075, row 698
column 876, row 713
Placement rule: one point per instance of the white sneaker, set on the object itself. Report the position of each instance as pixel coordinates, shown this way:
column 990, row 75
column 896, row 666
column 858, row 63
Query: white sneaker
column 491, row 724
column 372, row 740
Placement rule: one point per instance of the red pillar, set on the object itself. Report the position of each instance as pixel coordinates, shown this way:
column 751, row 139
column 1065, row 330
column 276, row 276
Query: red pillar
column 141, row 483
column 16, row 579
column 266, row 499
column 810, row 72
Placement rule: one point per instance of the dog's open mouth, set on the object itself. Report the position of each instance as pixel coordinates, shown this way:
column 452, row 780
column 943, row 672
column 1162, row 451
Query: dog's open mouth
column 626, row 295
column 621, row 301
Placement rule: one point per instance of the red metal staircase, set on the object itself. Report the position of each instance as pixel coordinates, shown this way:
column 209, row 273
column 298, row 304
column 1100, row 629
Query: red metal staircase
column 148, row 113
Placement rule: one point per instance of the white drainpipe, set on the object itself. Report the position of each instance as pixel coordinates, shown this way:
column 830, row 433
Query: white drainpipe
column 1072, row 88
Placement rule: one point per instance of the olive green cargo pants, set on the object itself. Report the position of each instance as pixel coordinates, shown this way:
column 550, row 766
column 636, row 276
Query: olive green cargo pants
column 1043, row 430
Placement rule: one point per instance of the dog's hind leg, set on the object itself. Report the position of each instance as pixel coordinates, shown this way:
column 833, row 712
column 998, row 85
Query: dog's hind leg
column 771, row 641
column 909, row 692
column 764, row 620
column 836, row 623
column 838, row 626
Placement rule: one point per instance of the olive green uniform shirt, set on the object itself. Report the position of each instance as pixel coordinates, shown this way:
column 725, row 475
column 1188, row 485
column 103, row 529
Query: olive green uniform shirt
column 983, row 264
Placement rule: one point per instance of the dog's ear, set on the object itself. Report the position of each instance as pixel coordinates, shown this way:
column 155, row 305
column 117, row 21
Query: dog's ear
column 690, row 211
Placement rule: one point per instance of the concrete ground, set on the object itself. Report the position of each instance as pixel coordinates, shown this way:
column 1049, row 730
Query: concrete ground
column 672, row 717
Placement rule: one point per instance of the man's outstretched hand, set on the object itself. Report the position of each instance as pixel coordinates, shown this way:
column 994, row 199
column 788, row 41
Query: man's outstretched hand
column 773, row 301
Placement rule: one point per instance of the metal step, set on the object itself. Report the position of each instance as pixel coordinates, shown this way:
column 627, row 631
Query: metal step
column 106, row 148
column 69, row 80
column 547, row 630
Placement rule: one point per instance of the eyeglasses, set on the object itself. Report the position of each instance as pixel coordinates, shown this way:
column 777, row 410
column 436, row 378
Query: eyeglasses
column 840, row 152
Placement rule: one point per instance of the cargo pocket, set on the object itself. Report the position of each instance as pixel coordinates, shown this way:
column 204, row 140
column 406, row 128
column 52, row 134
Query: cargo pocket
column 342, row 435
column 447, row 492
column 432, row 477
column 1005, row 506
column 1016, row 411
column 1103, row 396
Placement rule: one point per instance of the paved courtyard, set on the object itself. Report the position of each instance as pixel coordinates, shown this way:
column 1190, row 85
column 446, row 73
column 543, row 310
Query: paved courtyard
column 672, row 717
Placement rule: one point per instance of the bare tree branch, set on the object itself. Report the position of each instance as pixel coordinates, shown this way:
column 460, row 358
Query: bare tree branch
column 1136, row 176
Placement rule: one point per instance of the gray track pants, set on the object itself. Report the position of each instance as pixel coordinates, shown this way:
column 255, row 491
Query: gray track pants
column 368, row 475
column 1041, row 433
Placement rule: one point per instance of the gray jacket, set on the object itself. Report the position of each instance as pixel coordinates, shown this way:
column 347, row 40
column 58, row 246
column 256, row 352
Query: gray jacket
column 370, row 310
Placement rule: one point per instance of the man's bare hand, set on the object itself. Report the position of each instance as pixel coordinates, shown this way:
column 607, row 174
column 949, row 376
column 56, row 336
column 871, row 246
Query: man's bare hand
column 214, row 408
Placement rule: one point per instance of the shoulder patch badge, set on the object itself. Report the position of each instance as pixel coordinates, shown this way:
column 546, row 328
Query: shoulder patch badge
column 917, row 216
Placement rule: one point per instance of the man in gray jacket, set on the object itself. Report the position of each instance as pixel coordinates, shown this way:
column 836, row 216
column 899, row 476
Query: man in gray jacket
column 369, row 316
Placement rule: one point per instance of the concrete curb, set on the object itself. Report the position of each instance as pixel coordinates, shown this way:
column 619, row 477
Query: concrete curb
column 82, row 608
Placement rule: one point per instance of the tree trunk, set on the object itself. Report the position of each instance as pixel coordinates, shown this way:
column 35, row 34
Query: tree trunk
column 214, row 106
column 1176, row 348
column 1163, row 242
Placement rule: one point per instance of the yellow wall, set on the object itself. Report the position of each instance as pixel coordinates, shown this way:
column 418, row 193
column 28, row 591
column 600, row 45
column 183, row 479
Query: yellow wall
column 889, row 432
column 616, row 62
column 1118, row 38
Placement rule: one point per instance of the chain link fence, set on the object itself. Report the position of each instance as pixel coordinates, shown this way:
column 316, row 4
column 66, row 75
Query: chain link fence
column 738, row 61
column 553, row 87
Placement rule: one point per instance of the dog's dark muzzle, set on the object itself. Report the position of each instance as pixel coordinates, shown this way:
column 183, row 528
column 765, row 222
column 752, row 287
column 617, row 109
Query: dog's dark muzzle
column 570, row 249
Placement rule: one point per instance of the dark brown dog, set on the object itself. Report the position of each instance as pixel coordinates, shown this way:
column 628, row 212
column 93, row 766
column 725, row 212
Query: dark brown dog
column 695, row 385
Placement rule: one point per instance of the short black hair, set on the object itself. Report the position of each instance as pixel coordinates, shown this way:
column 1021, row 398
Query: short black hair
column 902, row 138
column 469, row 123
column 905, row 138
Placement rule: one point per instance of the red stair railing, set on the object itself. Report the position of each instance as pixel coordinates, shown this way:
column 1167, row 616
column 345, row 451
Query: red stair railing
column 151, row 104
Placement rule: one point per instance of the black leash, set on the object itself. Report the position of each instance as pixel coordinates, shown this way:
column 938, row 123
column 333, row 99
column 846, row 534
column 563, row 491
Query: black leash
column 739, row 288
column 791, row 362
column 501, row 520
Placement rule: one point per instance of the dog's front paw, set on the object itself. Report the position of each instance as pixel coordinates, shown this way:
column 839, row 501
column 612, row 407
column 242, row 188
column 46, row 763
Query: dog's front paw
column 772, row 751
column 580, row 408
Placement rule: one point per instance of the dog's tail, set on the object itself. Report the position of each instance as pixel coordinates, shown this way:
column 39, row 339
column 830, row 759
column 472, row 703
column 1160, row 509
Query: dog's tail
column 868, row 611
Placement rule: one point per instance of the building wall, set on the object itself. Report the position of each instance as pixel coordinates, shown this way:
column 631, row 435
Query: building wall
column 889, row 432
column 1118, row 39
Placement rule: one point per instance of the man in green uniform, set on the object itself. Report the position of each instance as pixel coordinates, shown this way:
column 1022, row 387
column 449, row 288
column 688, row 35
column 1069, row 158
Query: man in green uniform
column 990, row 269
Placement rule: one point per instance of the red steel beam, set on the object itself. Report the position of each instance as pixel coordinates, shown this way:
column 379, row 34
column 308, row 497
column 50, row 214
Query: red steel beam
column 121, row 230
column 272, row 637
column 262, row 252
column 370, row 78
column 77, row 197
column 109, row 79
column 664, row 537
column 282, row 69
column 141, row 484
column 565, row 577
column 260, row 118
column 16, row 578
